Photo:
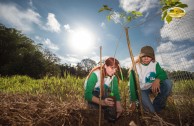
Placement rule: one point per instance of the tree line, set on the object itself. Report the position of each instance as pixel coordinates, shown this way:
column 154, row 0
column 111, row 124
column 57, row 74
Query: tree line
column 20, row 55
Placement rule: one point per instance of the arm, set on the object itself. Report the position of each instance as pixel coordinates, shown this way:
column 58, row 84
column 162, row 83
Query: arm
column 117, row 96
column 160, row 75
column 90, row 85
column 132, row 87
column 91, row 82
column 132, row 90
column 116, row 89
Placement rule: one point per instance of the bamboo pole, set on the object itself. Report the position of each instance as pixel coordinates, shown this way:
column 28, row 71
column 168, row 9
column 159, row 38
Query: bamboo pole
column 135, row 69
column 100, row 106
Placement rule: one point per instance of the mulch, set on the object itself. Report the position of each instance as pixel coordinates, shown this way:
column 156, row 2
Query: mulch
column 48, row 110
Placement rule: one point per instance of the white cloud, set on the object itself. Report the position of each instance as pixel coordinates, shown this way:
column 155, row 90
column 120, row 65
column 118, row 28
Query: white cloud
column 190, row 4
column 166, row 47
column 24, row 19
column 176, row 57
column 47, row 43
column 177, row 52
column 52, row 23
column 102, row 25
column 67, row 28
column 38, row 38
column 178, row 62
column 50, row 44
column 70, row 59
column 21, row 19
column 139, row 5
column 127, row 63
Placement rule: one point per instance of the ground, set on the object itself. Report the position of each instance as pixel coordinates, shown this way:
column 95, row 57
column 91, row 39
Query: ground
column 46, row 110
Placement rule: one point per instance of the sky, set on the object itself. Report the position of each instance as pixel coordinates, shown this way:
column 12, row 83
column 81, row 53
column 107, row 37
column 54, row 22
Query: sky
column 74, row 30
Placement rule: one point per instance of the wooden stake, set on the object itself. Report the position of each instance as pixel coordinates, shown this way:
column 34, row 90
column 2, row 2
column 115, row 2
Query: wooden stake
column 135, row 69
column 100, row 106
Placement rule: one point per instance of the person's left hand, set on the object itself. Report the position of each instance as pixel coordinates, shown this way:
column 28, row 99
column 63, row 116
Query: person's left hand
column 156, row 86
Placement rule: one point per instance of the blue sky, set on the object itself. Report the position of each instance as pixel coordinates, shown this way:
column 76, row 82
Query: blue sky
column 74, row 30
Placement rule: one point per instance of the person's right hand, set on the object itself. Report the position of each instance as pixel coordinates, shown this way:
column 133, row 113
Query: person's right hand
column 109, row 102
column 132, row 106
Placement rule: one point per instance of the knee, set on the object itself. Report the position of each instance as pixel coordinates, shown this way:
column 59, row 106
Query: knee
column 167, row 85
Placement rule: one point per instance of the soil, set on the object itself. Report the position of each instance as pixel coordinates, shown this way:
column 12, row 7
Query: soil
column 46, row 110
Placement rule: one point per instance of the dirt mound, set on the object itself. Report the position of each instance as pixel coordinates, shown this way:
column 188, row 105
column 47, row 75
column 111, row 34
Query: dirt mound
column 46, row 110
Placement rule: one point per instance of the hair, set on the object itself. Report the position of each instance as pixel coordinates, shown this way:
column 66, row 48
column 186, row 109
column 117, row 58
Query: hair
column 108, row 62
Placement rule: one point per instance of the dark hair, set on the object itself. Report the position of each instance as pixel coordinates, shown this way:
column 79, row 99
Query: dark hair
column 112, row 62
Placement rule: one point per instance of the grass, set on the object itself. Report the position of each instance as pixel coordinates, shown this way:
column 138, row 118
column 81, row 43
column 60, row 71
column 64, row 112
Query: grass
column 63, row 88
column 180, row 104
column 70, row 85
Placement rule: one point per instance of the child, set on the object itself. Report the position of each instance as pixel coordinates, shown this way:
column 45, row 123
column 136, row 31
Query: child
column 110, row 85
column 152, row 79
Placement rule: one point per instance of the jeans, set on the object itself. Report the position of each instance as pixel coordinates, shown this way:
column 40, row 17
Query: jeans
column 159, row 101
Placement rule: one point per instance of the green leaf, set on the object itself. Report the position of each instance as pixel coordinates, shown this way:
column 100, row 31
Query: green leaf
column 165, row 8
column 129, row 18
column 101, row 9
column 108, row 17
column 133, row 12
column 182, row 5
column 168, row 19
column 175, row 1
column 164, row 14
column 168, row 2
column 137, row 13
column 105, row 7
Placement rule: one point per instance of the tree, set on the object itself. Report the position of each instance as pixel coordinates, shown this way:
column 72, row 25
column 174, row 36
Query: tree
column 20, row 55
column 86, row 64
column 180, row 75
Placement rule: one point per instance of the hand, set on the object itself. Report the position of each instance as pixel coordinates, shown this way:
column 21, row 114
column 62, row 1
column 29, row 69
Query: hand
column 133, row 106
column 109, row 102
column 156, row 86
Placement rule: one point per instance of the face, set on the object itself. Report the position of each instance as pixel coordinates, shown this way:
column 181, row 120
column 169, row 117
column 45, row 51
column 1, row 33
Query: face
column 146, row 59
column 110, row 70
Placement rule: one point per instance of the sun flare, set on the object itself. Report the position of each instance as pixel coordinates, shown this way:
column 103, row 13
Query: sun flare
column 81, row 40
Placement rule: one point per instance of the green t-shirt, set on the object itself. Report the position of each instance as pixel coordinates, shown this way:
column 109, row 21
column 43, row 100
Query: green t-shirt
column 93, row 83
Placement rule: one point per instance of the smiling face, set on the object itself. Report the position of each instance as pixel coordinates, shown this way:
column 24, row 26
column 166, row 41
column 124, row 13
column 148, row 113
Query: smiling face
column 111, row 66
column 110, row 70
column 146, row 60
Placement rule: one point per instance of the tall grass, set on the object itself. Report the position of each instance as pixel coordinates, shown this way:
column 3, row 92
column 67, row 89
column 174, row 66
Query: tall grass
column 183, row 87
column 71, row 87
column 65, row 88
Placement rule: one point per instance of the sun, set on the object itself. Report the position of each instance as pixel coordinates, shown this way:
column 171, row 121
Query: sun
column 81, row 40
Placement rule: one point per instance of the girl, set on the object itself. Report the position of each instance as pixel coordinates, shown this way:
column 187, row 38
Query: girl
column 110, row 85
column 152, row 79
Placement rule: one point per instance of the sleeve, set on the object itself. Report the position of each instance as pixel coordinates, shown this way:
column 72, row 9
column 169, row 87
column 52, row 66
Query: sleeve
column 160, row 73
column 132, row 87
column 91, row 82
column 116, row 89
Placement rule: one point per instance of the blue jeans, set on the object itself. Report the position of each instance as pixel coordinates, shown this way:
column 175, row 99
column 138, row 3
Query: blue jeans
column 159, row 101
